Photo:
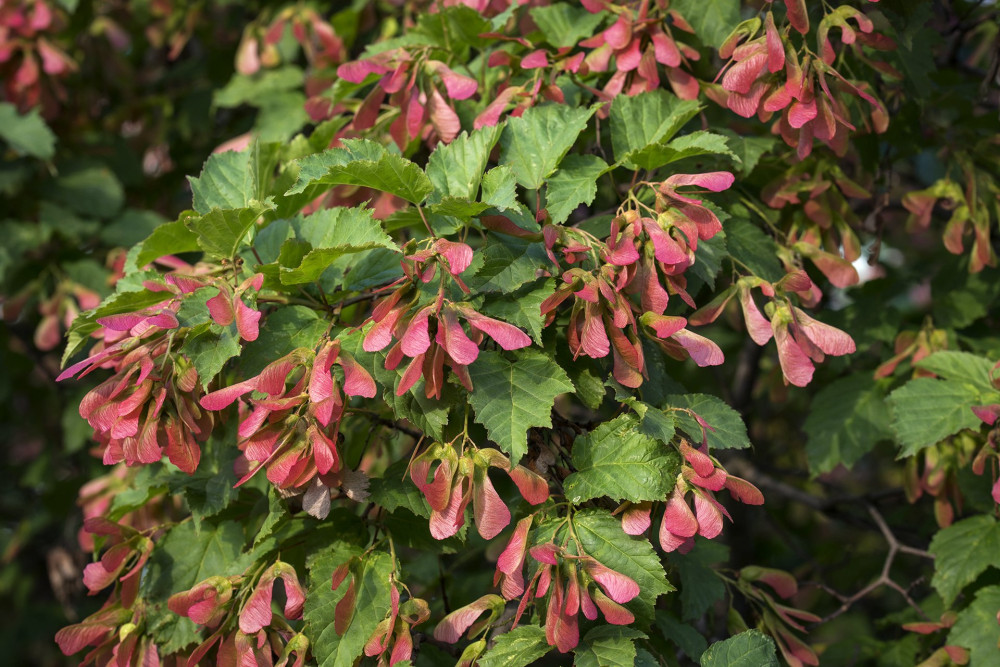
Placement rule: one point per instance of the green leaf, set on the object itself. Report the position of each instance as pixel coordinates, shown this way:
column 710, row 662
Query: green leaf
column 977, row 629
column 700, row 586
column 564, row 24
column 228, row 181
column 712, row 20
column 499, row 188
column 182, row 558
column 276, row 514
column 428, row 414
column 926, row 411
column 90, row 190
column 588, row 387
column 458, row 207
column 210, row 489
column 285, row 329
column 970, row 295
column 149, row 481
column 393, row 490
column 221, row 232
column 534, row 144
column 754, row 249
column 243, row 89
column 210, row 349
column 132, row 226
column 602, row 537
column 523, row 307
column 371, row 604
column 617, row 461
column 748, row 649
column 655, row 422
column 575, row 183
column 749, row 149
column 363, row 162
column 646, row 119
column 508, row 263
column 708, row 259
column 456, row 169
column 511, row 397
column 962, row 552
column 684, row 636
column 518, row 648
column 845, row 421
column 27, row 134
column 960, row 367
column 455, row 28
column 690, row 145
column 333, row 233
column 729, row 430
column 607, row 646
column 644, row 658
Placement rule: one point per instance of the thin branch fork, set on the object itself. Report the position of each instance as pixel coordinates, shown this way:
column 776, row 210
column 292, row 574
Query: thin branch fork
column 884, row 579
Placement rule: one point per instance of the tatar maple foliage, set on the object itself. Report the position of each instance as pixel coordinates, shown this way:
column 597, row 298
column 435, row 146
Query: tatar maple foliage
column 485, row 285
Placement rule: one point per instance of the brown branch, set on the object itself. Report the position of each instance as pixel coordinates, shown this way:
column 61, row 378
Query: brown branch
column 402, row 428
column 884, row 578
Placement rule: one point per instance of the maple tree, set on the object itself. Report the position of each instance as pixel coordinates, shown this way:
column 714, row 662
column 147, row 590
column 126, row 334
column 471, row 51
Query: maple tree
column 459, row 330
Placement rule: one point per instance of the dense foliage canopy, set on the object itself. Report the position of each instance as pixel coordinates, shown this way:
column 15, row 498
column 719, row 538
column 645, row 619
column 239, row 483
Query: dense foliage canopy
column 659, row 332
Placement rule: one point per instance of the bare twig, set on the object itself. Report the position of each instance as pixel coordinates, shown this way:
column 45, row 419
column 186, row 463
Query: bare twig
column 884, row 579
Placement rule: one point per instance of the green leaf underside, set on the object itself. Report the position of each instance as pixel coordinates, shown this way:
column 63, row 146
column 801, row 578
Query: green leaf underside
column 962, row 552
column 371, row 605
column 617, row 461
column 518, row 648
column 729, row 430
column 365, row 163
column 846, row 419
column 926, row 411
column 607, row 646
column 534, row 144
column 602, row 537
column 510, row 397
column 977, row 629
column 748, row 649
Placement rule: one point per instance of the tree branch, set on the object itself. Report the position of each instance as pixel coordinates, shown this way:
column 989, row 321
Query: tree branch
column 884, row 578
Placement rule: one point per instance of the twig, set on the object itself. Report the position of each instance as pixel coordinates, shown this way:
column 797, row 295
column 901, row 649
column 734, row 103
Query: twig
column 883, row 579
column 412, row 432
